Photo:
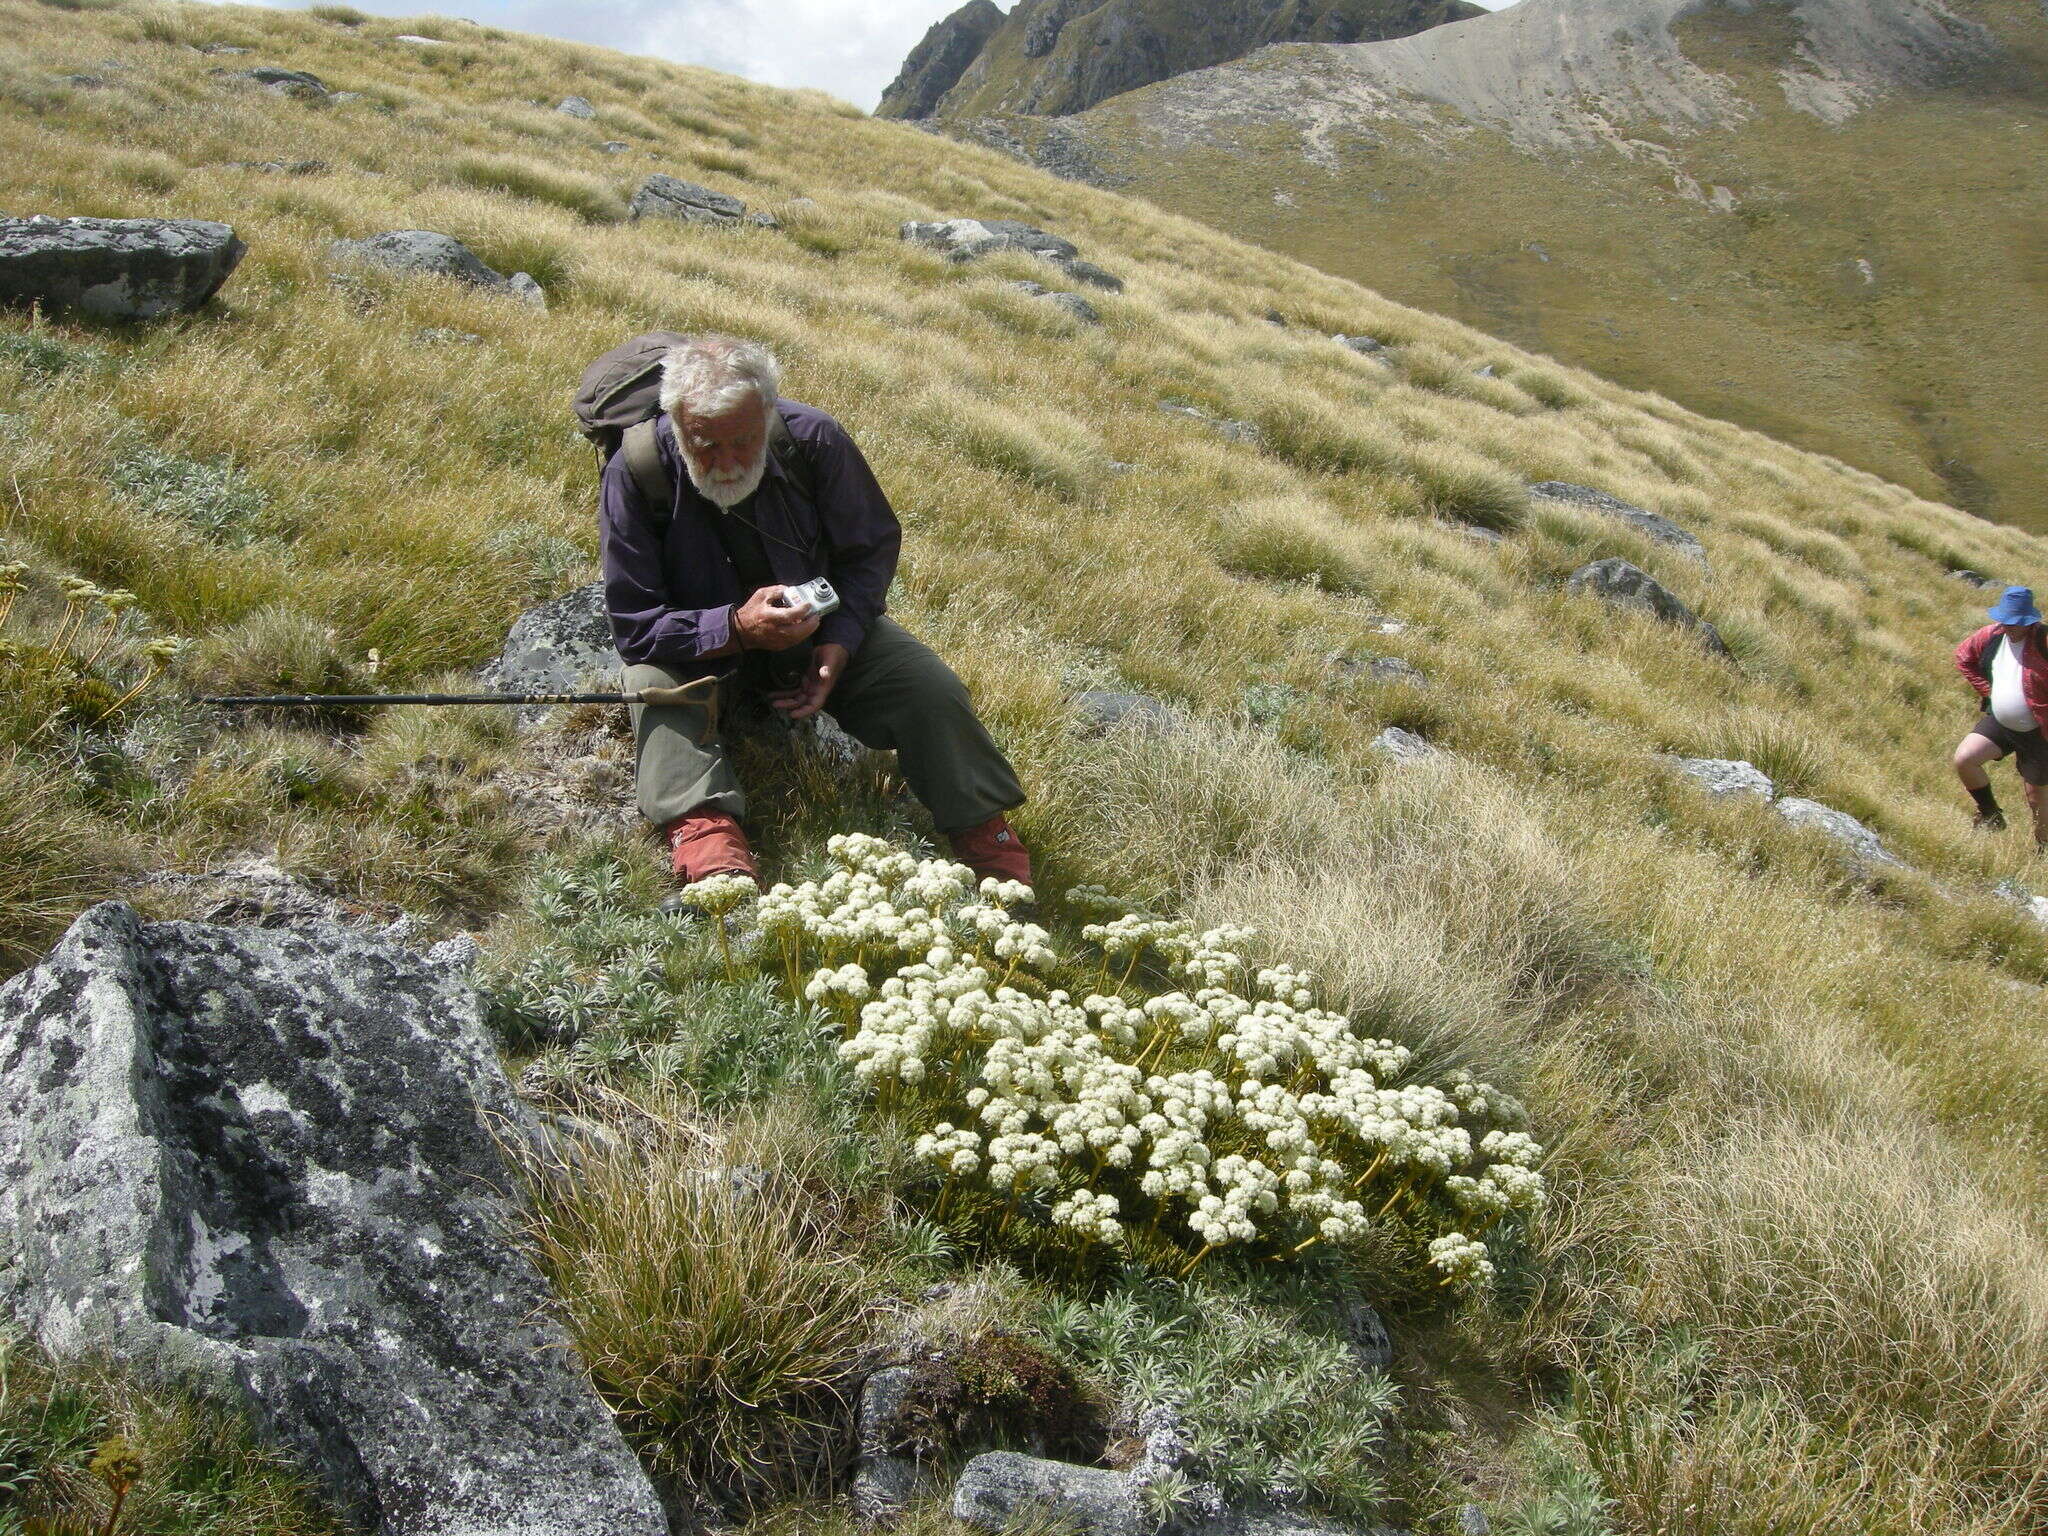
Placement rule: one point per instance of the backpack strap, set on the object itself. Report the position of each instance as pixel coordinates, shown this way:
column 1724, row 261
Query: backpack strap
column 794, row 457
column 643, row 462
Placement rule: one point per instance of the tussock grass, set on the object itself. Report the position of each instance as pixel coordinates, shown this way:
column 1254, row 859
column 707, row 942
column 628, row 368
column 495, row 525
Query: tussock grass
column 588, row 198
column 723, row 1322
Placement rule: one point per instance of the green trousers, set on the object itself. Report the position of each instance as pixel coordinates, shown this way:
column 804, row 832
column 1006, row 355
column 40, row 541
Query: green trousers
column 896, row 695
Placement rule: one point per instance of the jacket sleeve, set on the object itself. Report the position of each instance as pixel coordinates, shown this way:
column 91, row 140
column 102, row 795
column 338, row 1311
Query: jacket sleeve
column 644, row 626
column 1970, row 660
column 864, row 537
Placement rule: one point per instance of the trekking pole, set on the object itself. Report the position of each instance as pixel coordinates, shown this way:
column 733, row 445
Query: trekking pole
column 703, row 691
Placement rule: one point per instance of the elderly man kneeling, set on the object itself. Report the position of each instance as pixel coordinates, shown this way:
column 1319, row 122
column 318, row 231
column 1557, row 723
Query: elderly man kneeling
column 697, row 589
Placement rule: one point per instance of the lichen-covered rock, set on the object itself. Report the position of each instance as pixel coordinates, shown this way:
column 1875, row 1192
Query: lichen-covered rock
column 1726, row 776
column 1864, row 847
column 1405, row 746
column 670, row 197
column 963, row 239
column 120, row 269
column 1104, row 709
column 1001, row 1490
column 883, row 1479
column 1076, row 306
column 562, row 646
column 576, row 106
column 267, row 1158
column 1652, row 525
column 280, row 82
column 1624, row 585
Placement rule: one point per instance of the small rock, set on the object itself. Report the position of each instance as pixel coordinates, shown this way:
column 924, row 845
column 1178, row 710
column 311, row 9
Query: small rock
column 1864, row 846
column 1119, row 467
column 1000, row 1490
column 1488, row 372
column 1651, row 525
column 430, row 42
column 441, row 335
column 1076, row 306
column 221, row 50
column 340, row 97
column 761, row 218
column 283, row 82
column 279, row 167
column 1617, row 582
column 1390, row 627
column 523, row 287
column 1244, row 432
column 1726, row 776
column 1972, row 578
column 1274, row 317
column 1087, row 272
column 1405, row 746
column 882, row 1480
column 122, row 269
column 1482, row 535
column 1366, row 1334
column 1364, row 346
column 1103, row 710
column 82, row 82
column 1036, row 290
column 576, row 106
column 615, row 146
column 1378, row 669
column 1472, row 1521
column 669, row 197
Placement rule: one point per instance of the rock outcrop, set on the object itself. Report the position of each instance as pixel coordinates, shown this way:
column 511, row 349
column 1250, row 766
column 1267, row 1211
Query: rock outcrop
column 120, row 269
column 1651, row 525
column 936, row 64
column 1720, row 776
column 267, row 1160
column 562, row 646
column 670, row 197
column 1616, row 582
column 1863, row 846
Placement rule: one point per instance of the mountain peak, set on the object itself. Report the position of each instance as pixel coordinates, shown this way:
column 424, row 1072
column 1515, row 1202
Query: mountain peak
column 1055, row 57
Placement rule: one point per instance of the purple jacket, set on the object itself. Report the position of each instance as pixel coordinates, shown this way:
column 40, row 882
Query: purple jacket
column 671, row 593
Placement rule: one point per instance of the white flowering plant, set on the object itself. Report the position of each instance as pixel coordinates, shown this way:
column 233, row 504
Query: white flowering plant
column 1157, row 1086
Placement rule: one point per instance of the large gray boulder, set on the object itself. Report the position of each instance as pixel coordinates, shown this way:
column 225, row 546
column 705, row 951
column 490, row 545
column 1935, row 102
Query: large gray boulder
column 1863, row 846
column 1617, row 582
column 1652, row 525
column 670, row 197
column 120, row 269
column 267, row 1160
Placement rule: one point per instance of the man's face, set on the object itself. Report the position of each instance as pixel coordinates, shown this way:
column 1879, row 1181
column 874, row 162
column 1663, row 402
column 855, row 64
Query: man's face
column 2019, row 634
column 726, row 455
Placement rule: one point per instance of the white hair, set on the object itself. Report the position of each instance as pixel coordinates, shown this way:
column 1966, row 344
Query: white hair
column 710, row 375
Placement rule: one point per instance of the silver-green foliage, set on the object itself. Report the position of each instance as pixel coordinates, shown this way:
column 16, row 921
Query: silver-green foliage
column 211, row 496
column 1274, row 1408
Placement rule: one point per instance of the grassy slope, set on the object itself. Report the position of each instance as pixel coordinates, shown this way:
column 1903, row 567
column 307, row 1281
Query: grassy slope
column 1798, row 1117
column 1929, row 376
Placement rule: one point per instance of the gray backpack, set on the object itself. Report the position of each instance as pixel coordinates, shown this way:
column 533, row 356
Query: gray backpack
column 619, row 402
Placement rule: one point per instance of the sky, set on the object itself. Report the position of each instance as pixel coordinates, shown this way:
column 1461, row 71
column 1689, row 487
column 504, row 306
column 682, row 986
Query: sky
column 851, row 48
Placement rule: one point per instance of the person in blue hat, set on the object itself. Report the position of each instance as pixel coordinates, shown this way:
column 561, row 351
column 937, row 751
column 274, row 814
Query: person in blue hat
column 2008, row 666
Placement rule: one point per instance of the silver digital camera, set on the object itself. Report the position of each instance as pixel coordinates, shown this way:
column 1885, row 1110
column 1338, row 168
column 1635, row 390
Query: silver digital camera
column 815, row 597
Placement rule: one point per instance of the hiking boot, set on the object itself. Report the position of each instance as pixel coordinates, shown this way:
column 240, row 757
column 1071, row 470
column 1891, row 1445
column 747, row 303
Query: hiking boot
column 706, row 843
column 1989, row 821
column 992, row 850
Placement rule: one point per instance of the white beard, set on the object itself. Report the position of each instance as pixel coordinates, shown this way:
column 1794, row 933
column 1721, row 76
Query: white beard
column 725, row 491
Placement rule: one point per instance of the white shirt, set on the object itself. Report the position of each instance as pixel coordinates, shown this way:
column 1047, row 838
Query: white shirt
column 2008, row 696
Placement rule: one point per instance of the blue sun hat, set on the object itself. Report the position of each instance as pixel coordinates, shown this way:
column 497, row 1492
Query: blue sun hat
column 2016, row 607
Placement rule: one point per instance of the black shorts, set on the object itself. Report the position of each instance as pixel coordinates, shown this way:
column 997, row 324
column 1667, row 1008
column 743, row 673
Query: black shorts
column 2029, row 749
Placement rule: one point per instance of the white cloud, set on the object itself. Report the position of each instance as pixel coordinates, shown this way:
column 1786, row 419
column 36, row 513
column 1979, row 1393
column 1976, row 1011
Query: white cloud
column 851, row 48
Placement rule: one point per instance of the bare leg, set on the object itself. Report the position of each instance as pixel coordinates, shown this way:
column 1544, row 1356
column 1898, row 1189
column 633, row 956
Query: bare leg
column 1971, row 756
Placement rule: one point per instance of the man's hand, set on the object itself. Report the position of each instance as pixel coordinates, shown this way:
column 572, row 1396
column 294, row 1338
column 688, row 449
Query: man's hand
column 763, row 623
column 828, row 664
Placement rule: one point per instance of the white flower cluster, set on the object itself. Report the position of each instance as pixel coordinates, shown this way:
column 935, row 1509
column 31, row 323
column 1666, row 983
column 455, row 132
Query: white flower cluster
column 1234, row 1110
column 718, row 895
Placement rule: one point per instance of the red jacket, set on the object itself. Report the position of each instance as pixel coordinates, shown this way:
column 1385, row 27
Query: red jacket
column 1973, row 659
